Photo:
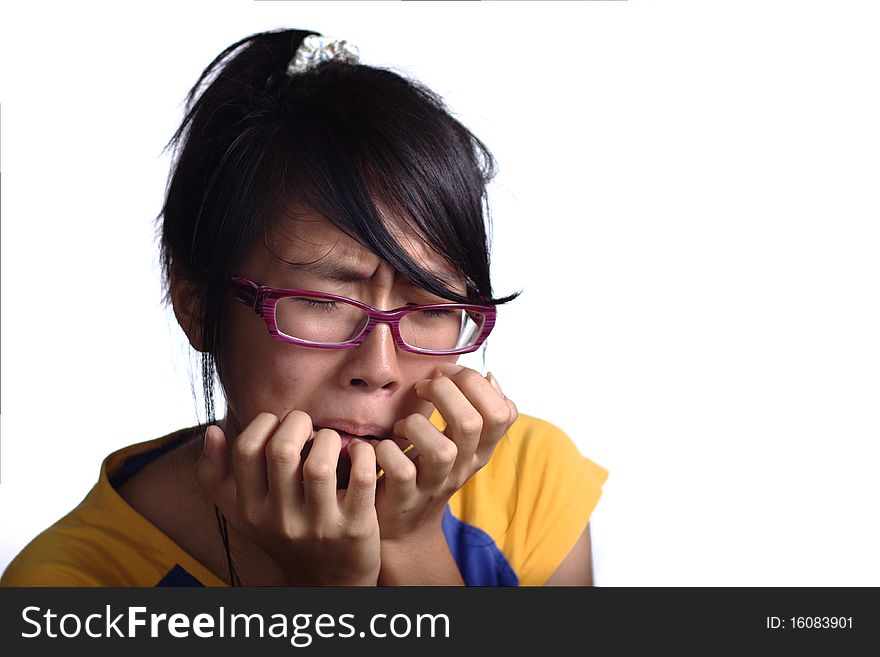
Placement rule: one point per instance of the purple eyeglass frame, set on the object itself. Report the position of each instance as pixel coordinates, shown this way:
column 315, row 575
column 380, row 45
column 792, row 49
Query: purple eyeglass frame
column 262, row 300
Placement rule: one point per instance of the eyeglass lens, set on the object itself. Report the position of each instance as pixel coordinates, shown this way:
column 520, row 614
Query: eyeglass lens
column 335, row 321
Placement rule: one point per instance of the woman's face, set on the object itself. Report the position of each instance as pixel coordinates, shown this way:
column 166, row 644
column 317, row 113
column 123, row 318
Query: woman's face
column 371, row 384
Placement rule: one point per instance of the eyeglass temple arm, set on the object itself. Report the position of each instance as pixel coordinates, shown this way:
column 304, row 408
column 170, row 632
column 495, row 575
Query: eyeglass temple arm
column 246, row 292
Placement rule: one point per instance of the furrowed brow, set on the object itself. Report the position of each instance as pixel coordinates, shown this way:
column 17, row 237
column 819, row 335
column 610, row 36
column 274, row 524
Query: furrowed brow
column 344, row 272
column 334, row 271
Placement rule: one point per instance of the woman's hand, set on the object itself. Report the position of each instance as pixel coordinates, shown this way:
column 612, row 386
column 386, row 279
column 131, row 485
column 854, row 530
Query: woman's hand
column 289, row 506
column 411, row 498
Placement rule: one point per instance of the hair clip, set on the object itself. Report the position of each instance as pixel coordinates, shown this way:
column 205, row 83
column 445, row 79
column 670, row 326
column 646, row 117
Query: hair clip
column 316, row 49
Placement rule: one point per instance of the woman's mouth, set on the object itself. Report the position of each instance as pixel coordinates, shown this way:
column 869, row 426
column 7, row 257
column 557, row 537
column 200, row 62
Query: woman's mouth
column 347, row 437
column 343, row 466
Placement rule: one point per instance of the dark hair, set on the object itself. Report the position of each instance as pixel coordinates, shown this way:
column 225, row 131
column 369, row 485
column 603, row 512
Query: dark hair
column 338, row 137
column 341, row 138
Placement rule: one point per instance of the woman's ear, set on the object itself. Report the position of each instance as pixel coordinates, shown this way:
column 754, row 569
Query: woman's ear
column 187, row 304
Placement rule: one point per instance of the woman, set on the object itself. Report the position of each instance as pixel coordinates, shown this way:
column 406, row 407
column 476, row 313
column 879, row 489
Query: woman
column 324, row 249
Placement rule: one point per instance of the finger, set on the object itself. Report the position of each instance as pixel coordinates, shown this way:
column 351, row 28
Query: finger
column 213, row 474
column 496, row 410
column 399, row 472
column 464, row 424
column 500, row 419
column 319, row 475
column 436, row 452
column 360, row 496
column 284, row 462
column 491, row 378
column 487, row 447
column 249, row 465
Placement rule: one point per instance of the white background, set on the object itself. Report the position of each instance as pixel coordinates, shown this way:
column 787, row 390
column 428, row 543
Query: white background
column 688, row 195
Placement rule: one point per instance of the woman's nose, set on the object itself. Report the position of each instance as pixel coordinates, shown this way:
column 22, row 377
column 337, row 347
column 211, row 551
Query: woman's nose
column 374, row 363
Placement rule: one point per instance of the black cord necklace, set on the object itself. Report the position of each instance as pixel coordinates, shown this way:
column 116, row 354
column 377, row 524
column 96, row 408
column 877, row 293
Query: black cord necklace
column 234, row 579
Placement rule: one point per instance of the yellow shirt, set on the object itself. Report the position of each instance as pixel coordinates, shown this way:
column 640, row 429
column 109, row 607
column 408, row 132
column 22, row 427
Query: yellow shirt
column 512, row 523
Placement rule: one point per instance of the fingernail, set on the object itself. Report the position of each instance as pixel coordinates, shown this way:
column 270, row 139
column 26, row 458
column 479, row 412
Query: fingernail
column 495, row 385
column 421, row 383
column 205, row 444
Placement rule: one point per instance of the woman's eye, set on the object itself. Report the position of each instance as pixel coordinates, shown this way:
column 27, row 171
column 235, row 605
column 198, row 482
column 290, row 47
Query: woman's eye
column 437, row 312
column 323, row 305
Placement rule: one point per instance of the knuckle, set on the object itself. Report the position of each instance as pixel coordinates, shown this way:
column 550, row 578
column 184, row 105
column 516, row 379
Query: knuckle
column 483, row 459
column 471, row 423
column 362, row 477
column 355, row 531
column 319, row 471
column 318, row 532
column 248, row 514
column 327, row 530
column 280, row 524
column 402, row 474
column 287, row 527
column 501, row 414
column 247, row 448
column 446, row 453
column 283, row 452
column 468, row 375
column 288, row 531
column 414, row 423
column 447, row 382
column 410, row 421
column 441, row 383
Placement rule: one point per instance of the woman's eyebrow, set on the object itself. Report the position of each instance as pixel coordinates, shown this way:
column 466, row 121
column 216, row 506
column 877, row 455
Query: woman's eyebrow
column 334, row 271
column 345, row 272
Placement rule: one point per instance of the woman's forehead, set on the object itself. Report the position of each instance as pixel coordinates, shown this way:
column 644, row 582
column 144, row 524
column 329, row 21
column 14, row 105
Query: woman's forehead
column 308, row 237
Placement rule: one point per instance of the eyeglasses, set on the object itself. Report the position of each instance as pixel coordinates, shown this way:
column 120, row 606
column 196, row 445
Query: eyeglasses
column 329, row 321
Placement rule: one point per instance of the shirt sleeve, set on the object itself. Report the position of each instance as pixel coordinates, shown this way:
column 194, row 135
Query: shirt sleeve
column 42, row 563
column 558, row 491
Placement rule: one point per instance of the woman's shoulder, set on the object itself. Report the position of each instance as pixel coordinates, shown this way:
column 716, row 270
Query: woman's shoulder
column 534, row 498
column 533, row 432
column 543, row 449
column 529, row 434
column 150, row 476
column 111, row 538
column 55, row 557
column 163, row 497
